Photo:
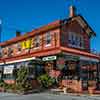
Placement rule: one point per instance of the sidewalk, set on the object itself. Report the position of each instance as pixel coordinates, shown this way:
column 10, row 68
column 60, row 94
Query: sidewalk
column 59, row 92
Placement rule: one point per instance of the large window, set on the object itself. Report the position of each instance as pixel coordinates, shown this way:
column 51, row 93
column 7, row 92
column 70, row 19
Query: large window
column 75, row 40
column 48, row 38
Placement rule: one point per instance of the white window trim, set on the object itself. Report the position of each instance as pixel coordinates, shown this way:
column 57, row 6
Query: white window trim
column 36, row 48
column 37, row 41
column 69, row 38
column 48, row 45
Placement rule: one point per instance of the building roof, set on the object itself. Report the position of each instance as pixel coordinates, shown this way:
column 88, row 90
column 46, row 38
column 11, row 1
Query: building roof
column 40, row 30
column 49, row 52
column 83, row 24
column 52, row 26
column 79, row 52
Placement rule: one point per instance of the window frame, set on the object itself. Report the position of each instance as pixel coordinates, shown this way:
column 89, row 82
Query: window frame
column 72, row 39
column 48, row 39
column 36, row 42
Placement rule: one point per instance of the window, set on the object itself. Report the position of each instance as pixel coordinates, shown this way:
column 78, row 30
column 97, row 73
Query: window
column 10, row 51
column 75, row 40
column 8, row 76
column 48, row 38
column 19, row 47
column 36, row 41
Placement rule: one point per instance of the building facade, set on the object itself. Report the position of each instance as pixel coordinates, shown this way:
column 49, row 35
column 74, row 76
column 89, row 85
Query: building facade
column 63, row 45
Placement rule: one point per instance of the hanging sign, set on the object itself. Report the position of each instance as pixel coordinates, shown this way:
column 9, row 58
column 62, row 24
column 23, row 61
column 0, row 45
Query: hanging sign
column 49, row 58
column 8, row 69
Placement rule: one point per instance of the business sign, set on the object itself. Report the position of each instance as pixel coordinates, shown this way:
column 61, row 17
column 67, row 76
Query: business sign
column 74, row 58
column 26, row 44
column 8, row 69
column 49, row 58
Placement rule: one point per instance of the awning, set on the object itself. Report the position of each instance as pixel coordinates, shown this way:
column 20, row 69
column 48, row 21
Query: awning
column 89, row 59
column 82, row 54
column 69, row 56
column 21, row 60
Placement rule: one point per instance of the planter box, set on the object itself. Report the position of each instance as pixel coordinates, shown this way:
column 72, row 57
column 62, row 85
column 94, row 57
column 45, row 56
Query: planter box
column 91, row 90
column 74, row 85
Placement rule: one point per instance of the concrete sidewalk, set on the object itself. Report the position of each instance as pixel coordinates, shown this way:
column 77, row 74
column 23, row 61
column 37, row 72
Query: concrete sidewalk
column 46, row 96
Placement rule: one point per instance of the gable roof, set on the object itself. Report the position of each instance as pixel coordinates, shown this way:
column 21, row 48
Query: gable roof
column 83, row 24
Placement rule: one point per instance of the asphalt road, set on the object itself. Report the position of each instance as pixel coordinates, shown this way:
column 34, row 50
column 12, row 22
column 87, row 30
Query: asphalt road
column 45, row 96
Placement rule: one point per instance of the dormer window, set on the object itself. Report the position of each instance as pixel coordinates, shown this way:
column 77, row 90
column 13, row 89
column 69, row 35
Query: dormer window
column 75, row 40
column 48, row 38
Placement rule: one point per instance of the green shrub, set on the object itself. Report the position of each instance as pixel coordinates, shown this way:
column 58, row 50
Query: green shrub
column 1, row 83
column 22, row 83
column 45, row 81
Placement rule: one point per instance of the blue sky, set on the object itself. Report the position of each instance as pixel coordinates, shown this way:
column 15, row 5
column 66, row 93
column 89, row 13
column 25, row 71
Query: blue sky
column 25, row 15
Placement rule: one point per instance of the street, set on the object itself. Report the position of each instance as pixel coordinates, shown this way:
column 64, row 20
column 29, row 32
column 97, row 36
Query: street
column 45, row 96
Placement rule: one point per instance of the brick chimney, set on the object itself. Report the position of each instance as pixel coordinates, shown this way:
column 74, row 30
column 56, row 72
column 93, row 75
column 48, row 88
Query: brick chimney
column 72, row 11
column 18, row 33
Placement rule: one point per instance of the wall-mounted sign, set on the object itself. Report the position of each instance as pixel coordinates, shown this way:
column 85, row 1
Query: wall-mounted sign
column 8, row 69
column 26, row 44
column 74, row 58
column 49, row 58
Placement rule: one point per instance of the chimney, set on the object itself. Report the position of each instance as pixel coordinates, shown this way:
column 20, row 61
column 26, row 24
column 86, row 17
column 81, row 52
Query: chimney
column 18, row 33
column 72, row 11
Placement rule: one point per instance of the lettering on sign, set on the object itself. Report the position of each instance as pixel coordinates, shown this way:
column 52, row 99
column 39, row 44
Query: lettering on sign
column 49, row 58
column 8, row 69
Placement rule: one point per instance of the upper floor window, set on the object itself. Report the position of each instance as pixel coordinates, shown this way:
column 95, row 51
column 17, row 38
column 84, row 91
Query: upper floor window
column 10, row 51
column 36, row 41
column 18, row 46
column 48, row 38
column 75, row 40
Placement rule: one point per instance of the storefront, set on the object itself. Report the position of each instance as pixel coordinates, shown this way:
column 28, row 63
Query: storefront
column 9, row 70
column 76, row 72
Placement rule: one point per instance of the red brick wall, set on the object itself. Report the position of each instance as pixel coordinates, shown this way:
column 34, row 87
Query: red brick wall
column 74, row 27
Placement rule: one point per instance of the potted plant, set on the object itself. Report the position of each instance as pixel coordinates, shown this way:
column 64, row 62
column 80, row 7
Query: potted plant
column 45, row 81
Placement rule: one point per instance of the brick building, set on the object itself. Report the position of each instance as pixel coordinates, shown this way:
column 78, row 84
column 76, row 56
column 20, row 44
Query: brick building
column 62, row 45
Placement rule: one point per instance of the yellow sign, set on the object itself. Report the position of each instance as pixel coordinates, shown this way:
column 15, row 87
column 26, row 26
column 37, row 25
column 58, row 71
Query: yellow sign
column 26, row 44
